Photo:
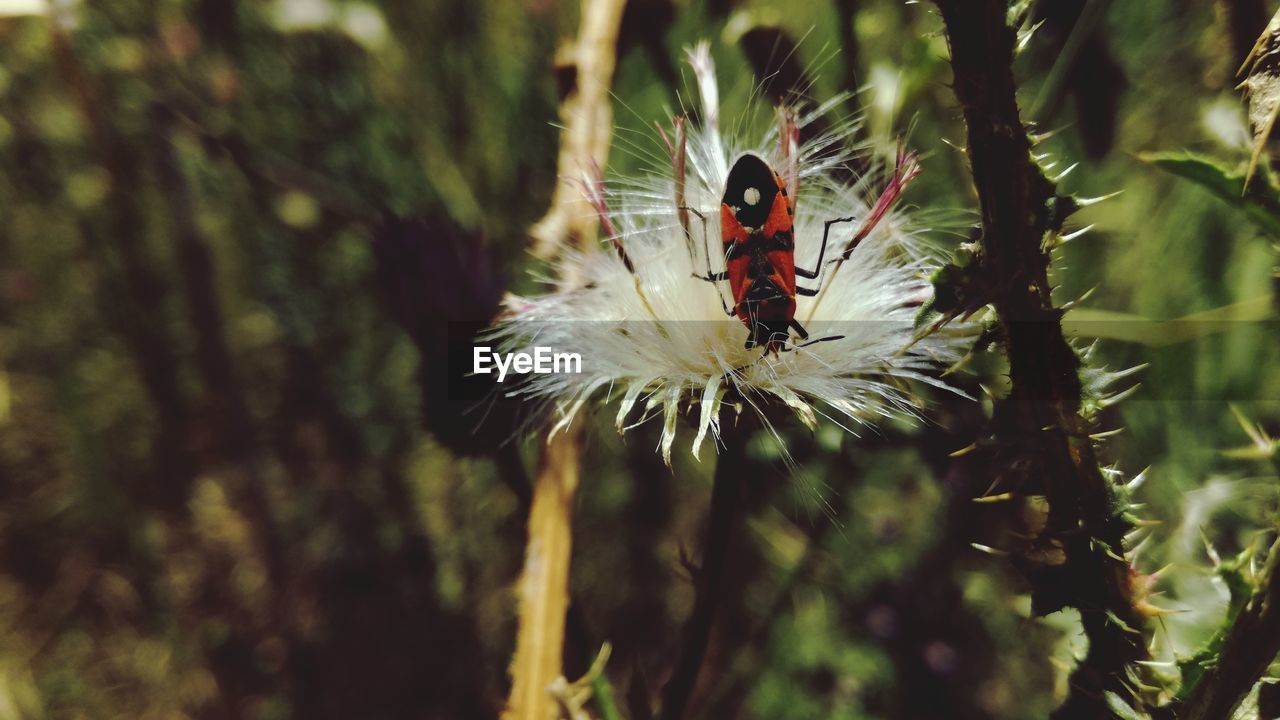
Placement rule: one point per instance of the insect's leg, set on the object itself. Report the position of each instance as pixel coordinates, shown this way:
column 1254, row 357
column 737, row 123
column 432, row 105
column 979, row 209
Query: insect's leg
column 808, row 292
column 711, row 277
column 804, row 335
column 826, row 230
column 706, row 248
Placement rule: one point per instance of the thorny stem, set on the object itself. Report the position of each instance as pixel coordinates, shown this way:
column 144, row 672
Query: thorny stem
column 725, row 517
column 1250, row 647
column 1040, row 424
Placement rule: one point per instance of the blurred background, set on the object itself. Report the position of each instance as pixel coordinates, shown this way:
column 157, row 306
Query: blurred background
column 237, row 239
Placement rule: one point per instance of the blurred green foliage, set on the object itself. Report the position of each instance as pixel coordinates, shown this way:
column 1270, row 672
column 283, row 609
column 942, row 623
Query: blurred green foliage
column 217, row 498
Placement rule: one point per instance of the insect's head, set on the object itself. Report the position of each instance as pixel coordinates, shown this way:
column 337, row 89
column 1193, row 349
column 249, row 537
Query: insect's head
column 750, row 191
column 769, row 334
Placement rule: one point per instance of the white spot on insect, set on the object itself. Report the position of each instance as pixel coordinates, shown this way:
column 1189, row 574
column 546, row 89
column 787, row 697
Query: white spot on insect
column 751, row 196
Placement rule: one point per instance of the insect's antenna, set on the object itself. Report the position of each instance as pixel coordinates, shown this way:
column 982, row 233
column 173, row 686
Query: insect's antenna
column 807, row 343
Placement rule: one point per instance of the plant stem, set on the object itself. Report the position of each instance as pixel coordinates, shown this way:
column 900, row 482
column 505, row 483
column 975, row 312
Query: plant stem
column 1251, row 645
column 602, row 692
column 587, row 115
column 722, row 525
column 544, row 584
column 1044, row 441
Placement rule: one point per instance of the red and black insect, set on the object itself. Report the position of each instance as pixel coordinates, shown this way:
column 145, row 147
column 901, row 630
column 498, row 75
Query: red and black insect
column 757, row 234
column 756, row 229
column 759, row 250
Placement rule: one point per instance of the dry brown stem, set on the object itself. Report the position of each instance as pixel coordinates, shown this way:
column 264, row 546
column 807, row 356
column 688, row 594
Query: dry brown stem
column 544, row 583
column 587, row 116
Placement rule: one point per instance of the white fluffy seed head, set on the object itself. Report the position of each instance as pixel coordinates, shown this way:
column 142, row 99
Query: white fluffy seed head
column 659, row 339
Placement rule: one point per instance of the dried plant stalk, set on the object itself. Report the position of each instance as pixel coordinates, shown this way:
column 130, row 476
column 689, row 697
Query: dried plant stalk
column 588, row 123
column 544, row 582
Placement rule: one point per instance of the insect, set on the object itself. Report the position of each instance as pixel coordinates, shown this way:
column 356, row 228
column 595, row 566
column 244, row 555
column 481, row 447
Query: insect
column 757, row 234
column 756, row 216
